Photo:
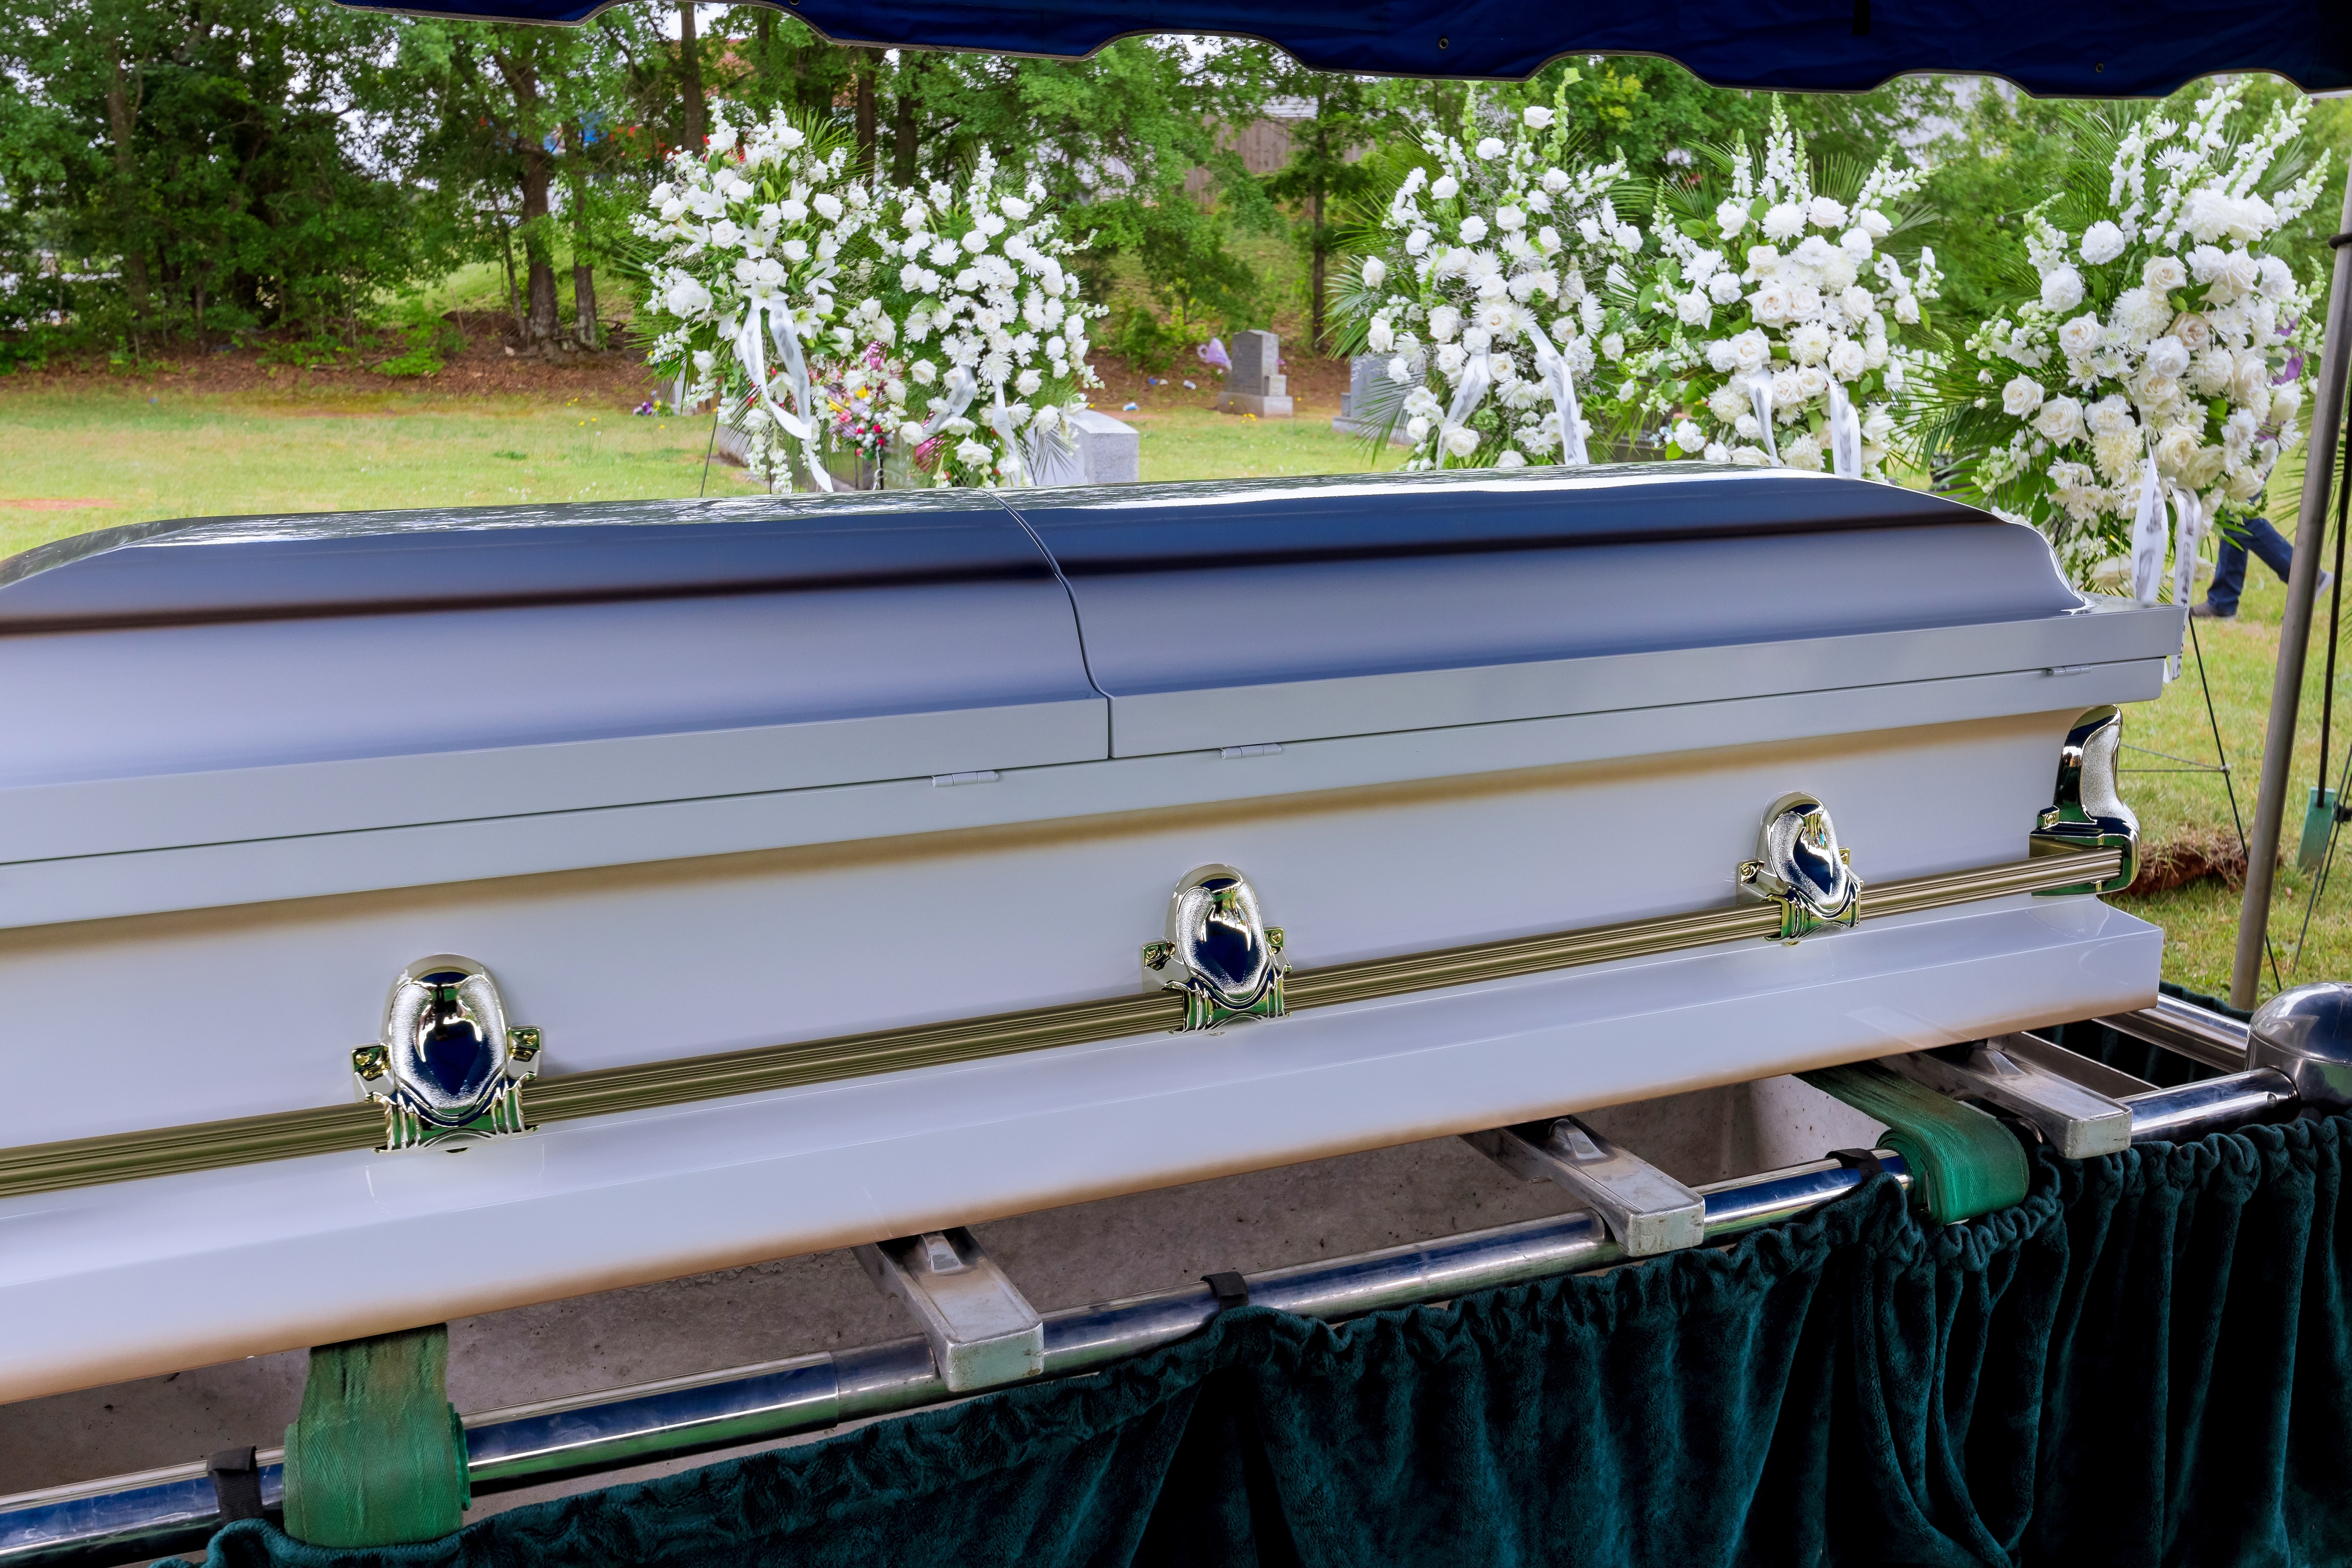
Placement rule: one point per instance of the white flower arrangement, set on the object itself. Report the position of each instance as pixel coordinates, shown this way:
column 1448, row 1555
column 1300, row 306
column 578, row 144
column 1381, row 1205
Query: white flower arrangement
column 747, row 236
column 2149, row 364
column 991, row 332
column 1773, row 316
column 1483, row 288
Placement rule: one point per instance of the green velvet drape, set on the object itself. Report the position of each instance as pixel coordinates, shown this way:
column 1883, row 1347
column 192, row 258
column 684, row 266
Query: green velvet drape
column 2146, row 1362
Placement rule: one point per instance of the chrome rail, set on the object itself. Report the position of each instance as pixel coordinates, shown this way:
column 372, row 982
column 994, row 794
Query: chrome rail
column 98, row 1523
column 95, row 1525
column 2186, row 1030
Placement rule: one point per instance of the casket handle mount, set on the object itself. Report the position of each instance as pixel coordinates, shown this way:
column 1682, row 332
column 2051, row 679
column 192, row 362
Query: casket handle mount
column 1218, row 950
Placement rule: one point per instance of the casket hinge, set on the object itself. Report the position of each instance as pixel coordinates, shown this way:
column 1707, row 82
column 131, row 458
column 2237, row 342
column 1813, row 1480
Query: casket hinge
column 2086, row 810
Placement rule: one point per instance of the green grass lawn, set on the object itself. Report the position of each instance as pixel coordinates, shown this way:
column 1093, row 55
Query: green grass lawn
column 74, row 461
column 117, row 453
column 2201, row 920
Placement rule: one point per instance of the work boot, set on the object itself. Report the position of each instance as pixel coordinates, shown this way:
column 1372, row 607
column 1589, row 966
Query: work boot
column 2203, row 610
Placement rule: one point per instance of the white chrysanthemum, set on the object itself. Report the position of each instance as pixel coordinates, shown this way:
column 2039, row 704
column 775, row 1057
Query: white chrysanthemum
column 1727, row 403
column 1688, row 436
column 1784, row 221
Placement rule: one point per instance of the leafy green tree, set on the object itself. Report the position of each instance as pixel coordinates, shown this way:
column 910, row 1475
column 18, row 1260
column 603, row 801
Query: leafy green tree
column 1327, row 173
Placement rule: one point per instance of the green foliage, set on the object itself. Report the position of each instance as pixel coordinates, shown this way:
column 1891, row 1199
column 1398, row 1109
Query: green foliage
column 1149, row 344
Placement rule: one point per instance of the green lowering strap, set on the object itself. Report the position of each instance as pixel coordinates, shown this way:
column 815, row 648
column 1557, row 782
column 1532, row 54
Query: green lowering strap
column 377, row 1457
column 1964, row 1162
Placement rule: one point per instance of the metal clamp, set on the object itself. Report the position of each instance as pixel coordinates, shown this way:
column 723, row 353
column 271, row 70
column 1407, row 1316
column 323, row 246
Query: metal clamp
column 1218, row 950
column 448, row 1069
column 1801, row 866
column 2079, row 1122
column 982, row 1330
column 2086, row 810
column 1644, row 1209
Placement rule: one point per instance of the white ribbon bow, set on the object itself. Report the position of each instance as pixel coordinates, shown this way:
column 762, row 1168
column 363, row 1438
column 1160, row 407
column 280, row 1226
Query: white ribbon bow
column 1477, row 377
column 960, row 389
column 1846, row 435
column 2147, row 537
column 751, row 352
column 1759, row 399
column 1014, row 468
column 2189, row 531
column 1553, row 366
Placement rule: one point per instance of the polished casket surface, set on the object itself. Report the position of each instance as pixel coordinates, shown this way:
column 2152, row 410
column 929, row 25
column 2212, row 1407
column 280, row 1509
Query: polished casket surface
column 691, row 778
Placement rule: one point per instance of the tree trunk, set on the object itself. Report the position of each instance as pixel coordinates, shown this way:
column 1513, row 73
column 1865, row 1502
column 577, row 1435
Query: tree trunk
column 902, row 128
column 865, row 63
column 540, row 325
column 583, row 304
column 689, row 66
column 1320, row 258
column 121, row 121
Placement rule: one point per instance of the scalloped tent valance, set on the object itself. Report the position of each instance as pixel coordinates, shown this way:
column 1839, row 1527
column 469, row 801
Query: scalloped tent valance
column 2093, row 48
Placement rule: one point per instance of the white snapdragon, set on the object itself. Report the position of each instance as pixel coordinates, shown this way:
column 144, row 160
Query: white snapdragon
column 1798, row 298
column 1486, row 274
column 752, row 223
column 2163, row 321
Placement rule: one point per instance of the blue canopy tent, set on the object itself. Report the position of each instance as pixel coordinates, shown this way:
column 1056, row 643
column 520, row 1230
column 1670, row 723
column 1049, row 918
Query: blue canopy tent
column 2107, row 48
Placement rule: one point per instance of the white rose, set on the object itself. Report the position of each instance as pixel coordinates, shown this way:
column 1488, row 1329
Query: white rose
column 1750, row 351
column 1811, row 382
column 1906, row 310
column 1376, row 272
column 1400, row 369
column 1511, row 460
column 2102, row 243
column 1716, row 452
column 2079, row 339
column 2251, row 380
column 1416, row 242
column 1381, row 336
column 828, row 206
column 1826, row 213
column 924, row 372
column 1693, row 309
column 1510, row 220
column 2168, row 356
column 1490, row 147
column 2285, row 403
column 1613, row 347
column 1688, row 436
column 1416, row 429
column 1477, row 340
column 1752, row 457
column 1474, row 229
column 1555, row 181
column 1723, row 288
column 1535, row 117
column 1446, row 188
column 2240, row 270
column 1721, row 356
column 795, row 250
column 1731, row 217
column 1443, row 323
column 1848, row 360
column 2020, row 397
column 688, row 299
column 1028, row 383
column 2062, row 289
column 1449, row 358
column 2060, row 420
column 1746, row 427
column 1461, row 440
column 1873, row 222
column 1855, row 243
column 1786, row 392
column 974, row 241
column 2163, row 274
column 793, row 212
column 2277, row 279
column 1857, row 302
column 1014, row 207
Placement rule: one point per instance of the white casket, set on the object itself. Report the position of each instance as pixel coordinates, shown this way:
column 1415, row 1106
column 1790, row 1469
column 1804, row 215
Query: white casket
column 796, row 864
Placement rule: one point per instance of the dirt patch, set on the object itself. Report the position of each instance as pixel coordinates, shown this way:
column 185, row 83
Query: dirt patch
column 2188, row 857
column 491, row 364
column 1316, row 385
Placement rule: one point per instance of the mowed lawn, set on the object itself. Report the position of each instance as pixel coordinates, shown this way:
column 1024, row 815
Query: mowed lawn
column 83, row 459
column 90, row 457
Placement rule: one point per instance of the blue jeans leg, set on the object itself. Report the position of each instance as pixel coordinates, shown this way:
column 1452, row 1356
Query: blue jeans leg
column 2233, row 540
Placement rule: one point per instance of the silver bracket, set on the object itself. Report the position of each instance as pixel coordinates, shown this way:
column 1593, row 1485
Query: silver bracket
column 448, row 1068
column 983, row 1331
column 1648, row 1211
column 2011, row 1074
column 1801, row 868
column 1218, row 951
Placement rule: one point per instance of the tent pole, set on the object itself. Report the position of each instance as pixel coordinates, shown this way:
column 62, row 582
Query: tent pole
column 2294, row 626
